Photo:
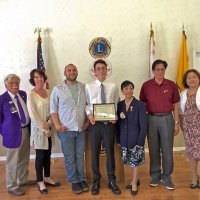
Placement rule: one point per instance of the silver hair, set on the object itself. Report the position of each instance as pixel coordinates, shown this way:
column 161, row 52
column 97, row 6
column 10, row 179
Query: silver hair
column 10, row 76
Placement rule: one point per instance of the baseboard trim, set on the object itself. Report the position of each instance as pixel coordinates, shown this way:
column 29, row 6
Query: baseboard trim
column 174, row 149
column 60, row 155
column 32, row 157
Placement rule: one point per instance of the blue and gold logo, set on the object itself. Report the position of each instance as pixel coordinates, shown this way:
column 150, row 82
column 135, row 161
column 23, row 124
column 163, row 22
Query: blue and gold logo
column 99, row 48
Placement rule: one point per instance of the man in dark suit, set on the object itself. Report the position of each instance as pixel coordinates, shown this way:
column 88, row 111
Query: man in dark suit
column 101, row 91
column 14, row 128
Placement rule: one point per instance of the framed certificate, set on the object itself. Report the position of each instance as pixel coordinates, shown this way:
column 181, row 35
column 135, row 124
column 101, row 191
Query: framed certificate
column 104, row 112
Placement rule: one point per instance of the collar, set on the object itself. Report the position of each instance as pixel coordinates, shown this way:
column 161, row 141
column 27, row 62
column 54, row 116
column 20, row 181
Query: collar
column 99, row 82
column 132, row 102
column 163, row 82
column 74, row 83
column 12, row 95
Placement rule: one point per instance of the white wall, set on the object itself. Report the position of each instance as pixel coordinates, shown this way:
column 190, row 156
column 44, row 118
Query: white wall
column 69, row 26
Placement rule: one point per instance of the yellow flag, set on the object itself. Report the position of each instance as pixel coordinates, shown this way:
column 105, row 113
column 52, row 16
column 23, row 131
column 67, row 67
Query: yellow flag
column 183, row 62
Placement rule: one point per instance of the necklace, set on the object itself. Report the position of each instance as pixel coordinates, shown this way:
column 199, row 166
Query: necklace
column 192, row 92
column 129, row 102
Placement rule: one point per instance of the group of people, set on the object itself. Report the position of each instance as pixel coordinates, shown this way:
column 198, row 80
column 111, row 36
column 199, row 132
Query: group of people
column 67, row 112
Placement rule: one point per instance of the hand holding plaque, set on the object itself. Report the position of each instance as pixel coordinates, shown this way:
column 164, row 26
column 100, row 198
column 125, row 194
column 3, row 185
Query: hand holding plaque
column 104, row 112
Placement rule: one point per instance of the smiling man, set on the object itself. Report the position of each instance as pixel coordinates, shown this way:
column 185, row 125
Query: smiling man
column 101, row 91
column 67, row 108
column 14, row 128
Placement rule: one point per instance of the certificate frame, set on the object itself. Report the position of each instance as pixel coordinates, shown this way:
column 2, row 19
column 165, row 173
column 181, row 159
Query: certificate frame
column 104, row 112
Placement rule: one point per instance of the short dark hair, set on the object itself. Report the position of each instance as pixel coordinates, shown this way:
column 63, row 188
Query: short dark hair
column 184, row 82
column 126, row 83
column 40, row 72
column 156, row 62
column 99, row 61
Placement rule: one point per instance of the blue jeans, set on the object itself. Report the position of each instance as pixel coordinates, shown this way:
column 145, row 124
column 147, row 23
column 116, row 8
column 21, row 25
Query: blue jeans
column 73, row 148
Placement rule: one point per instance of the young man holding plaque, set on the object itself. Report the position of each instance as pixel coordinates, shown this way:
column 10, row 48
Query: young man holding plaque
column 102, row 92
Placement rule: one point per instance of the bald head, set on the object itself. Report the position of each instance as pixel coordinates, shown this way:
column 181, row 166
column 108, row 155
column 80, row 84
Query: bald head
column 70, row 65
column 71, row 73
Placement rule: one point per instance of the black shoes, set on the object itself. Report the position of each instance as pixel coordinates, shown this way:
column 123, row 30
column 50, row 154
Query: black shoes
column 129, row 186
column 84, row 186
column 76, row 188
column 113, row 186
column 44, row 191
column 95, row 187
column 193, row 186
column 17, row 192
column 56, row 184
column 133, row 193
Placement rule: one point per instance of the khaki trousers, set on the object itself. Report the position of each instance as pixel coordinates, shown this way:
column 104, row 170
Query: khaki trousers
column 17, row 161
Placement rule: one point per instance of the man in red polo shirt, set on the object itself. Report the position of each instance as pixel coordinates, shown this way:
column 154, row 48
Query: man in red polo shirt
column 161, row 97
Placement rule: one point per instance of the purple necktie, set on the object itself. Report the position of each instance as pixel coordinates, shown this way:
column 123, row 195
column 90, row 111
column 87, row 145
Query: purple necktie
column 21, row 111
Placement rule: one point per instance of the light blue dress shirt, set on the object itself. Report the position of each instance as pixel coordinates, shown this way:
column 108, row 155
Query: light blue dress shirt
column 70, row 114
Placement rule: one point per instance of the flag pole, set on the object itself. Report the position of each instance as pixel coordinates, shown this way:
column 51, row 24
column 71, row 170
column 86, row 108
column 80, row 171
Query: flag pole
column 183, row 28
column 151, row 27
column 151, row 51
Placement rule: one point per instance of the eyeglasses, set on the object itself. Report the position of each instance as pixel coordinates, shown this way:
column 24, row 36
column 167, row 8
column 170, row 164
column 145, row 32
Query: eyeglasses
column 100, row 68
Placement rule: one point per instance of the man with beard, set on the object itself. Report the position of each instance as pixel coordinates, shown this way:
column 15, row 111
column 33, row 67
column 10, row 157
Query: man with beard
column 67, row 108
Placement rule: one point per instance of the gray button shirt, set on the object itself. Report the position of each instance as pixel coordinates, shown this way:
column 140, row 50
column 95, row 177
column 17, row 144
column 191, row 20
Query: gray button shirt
column 70, row 114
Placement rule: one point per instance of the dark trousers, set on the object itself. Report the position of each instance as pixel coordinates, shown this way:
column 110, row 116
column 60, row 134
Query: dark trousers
column 43, row 162
column 97, row 132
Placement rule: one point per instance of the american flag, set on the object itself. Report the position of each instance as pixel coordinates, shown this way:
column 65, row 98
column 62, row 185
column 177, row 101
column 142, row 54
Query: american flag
column 40, row 61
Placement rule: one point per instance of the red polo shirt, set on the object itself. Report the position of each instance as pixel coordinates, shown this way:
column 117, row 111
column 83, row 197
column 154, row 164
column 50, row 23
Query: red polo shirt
column 159, row 98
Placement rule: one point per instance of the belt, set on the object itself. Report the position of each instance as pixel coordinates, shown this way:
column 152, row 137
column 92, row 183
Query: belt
column 103, row 122
column 160, row 114
column 26, row 126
